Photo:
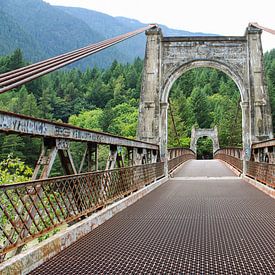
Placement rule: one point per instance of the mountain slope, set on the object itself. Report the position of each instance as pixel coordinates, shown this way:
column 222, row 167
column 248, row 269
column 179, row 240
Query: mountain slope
column 110, row 26
column 52, row 30
column 43, row 31
column 12, row 34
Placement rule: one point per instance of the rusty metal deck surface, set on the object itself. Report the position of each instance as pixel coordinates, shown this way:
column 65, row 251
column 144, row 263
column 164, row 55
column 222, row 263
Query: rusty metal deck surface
column 197, row 226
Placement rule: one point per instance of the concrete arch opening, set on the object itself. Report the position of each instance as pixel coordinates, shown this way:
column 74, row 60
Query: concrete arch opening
column 211, row 134
column 195, row 100
column 240, row 57
column 179, row 71
column 205, row 148
column 227, row 73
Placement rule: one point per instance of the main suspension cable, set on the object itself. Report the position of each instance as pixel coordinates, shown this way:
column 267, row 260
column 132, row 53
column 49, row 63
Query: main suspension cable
column 254, row 24
column 15, row 78
column 173, row 122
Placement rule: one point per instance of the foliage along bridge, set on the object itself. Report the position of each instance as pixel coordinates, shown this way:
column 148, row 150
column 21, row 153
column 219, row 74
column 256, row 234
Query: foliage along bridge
column 203, row 218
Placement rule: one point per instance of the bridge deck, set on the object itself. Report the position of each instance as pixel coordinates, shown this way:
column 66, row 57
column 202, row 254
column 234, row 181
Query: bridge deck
column 213, row 225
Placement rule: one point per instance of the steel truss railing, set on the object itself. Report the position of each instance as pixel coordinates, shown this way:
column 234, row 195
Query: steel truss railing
column 61, row 200
column 232, row 160
column 32, row 209
column 260, row 171
column 186, row 154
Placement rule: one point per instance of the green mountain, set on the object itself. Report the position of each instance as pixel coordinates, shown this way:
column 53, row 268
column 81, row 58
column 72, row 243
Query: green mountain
column 43, row 31
column 50, row 30
column 12, row 36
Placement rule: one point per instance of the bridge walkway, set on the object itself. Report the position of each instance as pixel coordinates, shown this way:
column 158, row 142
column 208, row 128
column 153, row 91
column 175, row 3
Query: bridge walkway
column 205, row 220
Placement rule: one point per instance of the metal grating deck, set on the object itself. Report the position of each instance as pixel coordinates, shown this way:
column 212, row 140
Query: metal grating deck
column 214, row 226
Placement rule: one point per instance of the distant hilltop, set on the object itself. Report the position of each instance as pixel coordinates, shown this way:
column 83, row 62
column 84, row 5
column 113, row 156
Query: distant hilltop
column 43, row 31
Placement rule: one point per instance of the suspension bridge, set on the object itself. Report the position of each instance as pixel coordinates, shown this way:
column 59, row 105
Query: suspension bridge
column 153, row 209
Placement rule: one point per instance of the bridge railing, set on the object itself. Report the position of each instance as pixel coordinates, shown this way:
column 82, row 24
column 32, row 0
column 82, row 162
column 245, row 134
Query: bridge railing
column 264, row 151
column 178, row 156
column 232, row 156
column 262, row 164
column 57, row 138
column 262, row 172
column 31, row 209
column 259, row 170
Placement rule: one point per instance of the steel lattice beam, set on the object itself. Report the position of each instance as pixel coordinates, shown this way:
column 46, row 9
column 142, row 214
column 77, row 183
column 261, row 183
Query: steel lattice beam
column 26, row 125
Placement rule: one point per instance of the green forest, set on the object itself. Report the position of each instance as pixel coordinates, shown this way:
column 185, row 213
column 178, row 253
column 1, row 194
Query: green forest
column 108, row 99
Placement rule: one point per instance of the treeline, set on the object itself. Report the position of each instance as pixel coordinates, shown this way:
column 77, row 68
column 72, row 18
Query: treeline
column 101, row 99
column 108, row 99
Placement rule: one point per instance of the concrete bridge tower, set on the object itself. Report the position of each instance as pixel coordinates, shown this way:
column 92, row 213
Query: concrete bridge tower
column 240, row 57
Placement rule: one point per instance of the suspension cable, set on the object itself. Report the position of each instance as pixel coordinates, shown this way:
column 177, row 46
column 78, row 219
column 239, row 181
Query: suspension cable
column 254, row 24
column 15, row 78
column 234, row 124
column 173, row 121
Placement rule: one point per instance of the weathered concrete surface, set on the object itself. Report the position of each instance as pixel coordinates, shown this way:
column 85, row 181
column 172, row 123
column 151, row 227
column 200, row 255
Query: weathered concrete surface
column 224, row 226
column 198, row 133
column 241, row 58
column 264, row 150
column 149, row 103
column 30, row 259
column 233, row 169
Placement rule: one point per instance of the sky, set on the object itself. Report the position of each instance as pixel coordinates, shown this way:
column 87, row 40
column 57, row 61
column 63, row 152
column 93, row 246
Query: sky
column 230, row 17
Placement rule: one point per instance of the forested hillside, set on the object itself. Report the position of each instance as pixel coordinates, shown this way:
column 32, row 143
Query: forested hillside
column 108, row 99
column 13, row 36
column 42, row 30
column 103, row 99
column 47, row 31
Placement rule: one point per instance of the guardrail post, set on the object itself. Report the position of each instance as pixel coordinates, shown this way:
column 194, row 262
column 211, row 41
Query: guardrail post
column 67, row 162
column 115, row 158
column 120, row 158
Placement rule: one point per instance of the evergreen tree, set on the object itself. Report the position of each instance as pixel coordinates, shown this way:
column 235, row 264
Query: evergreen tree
column 108, row 100
column 201, row 108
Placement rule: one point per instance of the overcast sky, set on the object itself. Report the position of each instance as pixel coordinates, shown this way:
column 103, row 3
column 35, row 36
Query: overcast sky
column 229, row 17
